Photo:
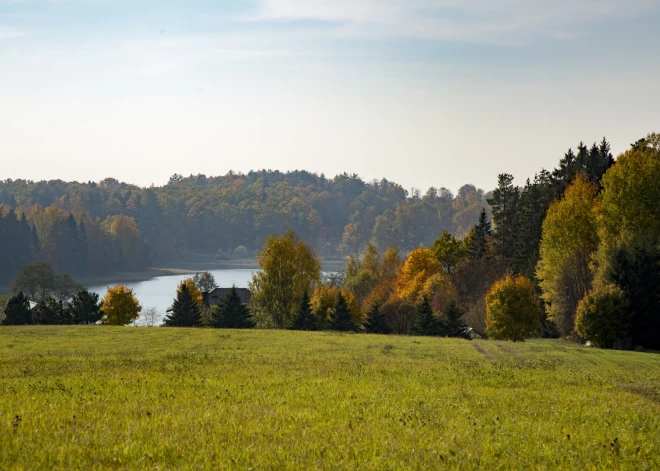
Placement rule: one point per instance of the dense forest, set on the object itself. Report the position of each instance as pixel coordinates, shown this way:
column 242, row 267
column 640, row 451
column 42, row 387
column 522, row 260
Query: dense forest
column 109, row 226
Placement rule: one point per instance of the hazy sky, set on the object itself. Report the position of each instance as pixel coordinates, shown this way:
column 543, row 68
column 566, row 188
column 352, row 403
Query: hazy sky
column 422, row 92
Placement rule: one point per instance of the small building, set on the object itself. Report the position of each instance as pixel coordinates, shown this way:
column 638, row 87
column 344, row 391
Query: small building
column 217, row 295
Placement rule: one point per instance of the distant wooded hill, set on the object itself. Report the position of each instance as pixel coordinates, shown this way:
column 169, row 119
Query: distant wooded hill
column 93, row 228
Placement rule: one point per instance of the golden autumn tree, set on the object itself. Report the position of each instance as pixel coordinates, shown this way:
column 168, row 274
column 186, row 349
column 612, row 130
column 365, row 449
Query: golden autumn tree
column 289, row 268
column 512, row 309
column 195, row 293
column 420, row 265
column 120, row 306
column 440, row 290
column 325, row 297
column 569, row 240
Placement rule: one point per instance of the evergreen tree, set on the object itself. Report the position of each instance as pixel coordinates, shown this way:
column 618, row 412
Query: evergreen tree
column 533, row 203
column 480, row 236
column 341, row 320
column 185, row 311
column 504, row 204
column 231, row 313
column 85, row 308
column 51, row 312
column 305, row 319
column 376, row 322
column 637, row 272
column 17, row 311
column 427, row 324
column 456, row 326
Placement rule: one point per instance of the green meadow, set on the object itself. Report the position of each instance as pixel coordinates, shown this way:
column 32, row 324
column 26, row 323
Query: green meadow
column 133, row 398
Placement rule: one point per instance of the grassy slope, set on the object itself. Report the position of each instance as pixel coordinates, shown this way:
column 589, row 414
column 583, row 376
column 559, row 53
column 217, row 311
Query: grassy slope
column 73, row 397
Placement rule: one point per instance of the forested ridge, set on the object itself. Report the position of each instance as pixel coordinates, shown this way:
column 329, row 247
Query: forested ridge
column 95, row 228
column 98, row 228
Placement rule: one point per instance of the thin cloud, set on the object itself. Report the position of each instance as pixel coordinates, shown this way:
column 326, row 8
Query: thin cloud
column 467, row 20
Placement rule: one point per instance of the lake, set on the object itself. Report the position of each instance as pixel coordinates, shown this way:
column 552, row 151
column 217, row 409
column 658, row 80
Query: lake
column 159, row 292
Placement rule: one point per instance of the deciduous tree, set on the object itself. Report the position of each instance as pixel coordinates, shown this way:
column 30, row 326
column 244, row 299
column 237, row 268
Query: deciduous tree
column 289, row 268
column 512, row 309
column 120, row 306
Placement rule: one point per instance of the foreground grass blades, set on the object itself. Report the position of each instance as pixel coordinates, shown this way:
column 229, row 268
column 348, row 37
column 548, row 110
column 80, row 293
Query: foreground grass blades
column 105, row 397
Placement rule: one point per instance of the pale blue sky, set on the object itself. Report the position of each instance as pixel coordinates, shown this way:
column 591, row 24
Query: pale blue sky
column 424, row 93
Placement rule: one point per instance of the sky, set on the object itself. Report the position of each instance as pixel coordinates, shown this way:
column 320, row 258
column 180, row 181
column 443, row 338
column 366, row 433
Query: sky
column 421, row 92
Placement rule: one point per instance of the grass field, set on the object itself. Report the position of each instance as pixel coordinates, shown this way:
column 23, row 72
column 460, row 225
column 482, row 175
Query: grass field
column 103, row 397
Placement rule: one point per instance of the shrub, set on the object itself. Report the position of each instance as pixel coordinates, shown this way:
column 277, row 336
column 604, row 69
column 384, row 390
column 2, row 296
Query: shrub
column 512, row 309
column 602, row 316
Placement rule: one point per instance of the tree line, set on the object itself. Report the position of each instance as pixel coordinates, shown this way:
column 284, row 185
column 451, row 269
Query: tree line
column 110, row 226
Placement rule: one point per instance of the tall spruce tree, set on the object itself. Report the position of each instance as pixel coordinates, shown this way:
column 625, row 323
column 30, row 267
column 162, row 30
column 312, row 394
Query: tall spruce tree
column 427, row 324
column 376, row 322
column 17, row 311
column 456, row 326
column 231, row 313
column 305, row 319
column 504, row 205
column 479, row 237
column 342, row 320
column 185, row 311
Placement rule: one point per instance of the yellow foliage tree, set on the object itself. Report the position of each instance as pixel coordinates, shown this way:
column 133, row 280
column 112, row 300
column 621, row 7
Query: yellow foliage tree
column 192, row 289
column 120, row 306
column 512, row 309
column 569, row 240
column 325, row 297
column 289, row 268
column 420, row 265
column 440, row 290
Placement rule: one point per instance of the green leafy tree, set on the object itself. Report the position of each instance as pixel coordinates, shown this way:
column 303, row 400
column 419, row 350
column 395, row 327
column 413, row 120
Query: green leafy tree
column 448, row 251
column 427, row 323
column 17, row 311
column 85, row 308
column 341, row 319
column 305, row 319
column 120, row 306
column 376, row 322
column 602, row 316
column 231, row 313
column 185, row 311
column 512, row 309
column 36, row 280
column 204, row 282
column 289, row 268
column 455, row 324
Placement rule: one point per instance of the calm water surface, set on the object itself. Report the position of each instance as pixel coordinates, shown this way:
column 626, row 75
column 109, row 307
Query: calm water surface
column 159, row 292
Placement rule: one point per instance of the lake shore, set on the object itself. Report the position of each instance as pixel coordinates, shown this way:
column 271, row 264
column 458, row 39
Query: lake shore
column 181, row 268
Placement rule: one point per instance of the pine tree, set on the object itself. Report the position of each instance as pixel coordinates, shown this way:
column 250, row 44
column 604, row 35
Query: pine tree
column 342, row 320
column 232, row 313
column 456, row 326
column 376, row 322
column 480, row 236
column 85, row 308
column 305, row 319
column 51, row 312
column 185, row 311
column 427, row 323
column 504, row 203
column 17, row 311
